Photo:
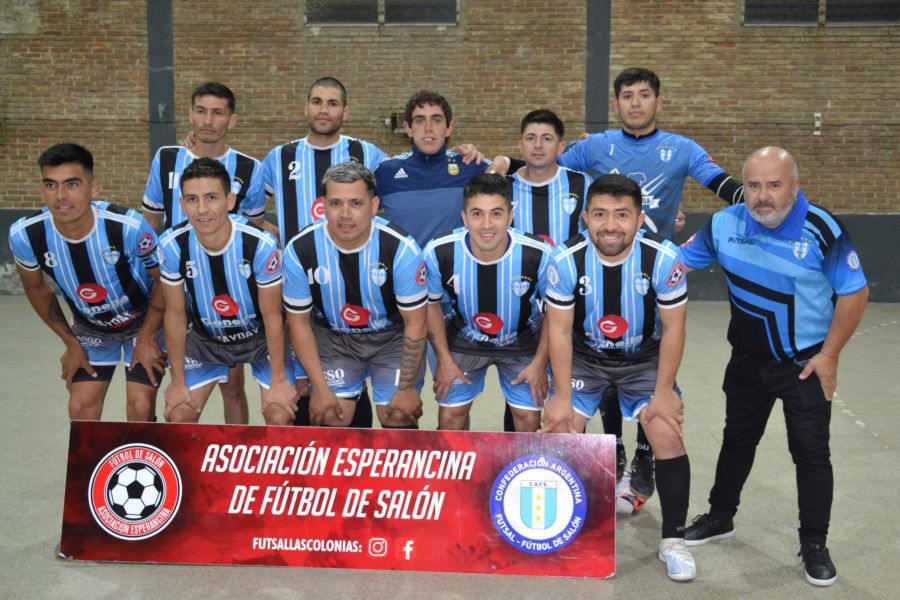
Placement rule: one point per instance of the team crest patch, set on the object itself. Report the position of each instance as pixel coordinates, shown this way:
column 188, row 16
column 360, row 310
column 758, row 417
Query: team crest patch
column 553, row 274
column 665, row 152
column 801, row 248
column 111, row 256
column 538, row 504
column 422, row 274
column 853, row 261
column 134, row 492
column 236, row 185
column 145, row 244
column 378, row 275
column 453, row 169
column 569, row 203
column 273, row 263
column 676, row 275
column 245, row 270
column 642, row 284
column 520, row 287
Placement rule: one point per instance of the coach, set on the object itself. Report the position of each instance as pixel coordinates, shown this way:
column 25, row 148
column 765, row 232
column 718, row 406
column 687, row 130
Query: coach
column 797, row 293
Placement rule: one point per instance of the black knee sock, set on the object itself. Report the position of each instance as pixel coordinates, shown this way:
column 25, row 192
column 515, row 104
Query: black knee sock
column 673, row 480
column 643, row 445
column 610, row 413
column 301, row 419
column 508, row 423
column 362, row 417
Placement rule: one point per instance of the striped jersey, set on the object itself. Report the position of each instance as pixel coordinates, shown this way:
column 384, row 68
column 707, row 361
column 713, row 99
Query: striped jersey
column 616, row 304
column 489, row 304
column 163, row 190
column 222, row 287
column 103, row 276
column 550, row 210
column 781, row 282
column 293, row 173
column 355, row 291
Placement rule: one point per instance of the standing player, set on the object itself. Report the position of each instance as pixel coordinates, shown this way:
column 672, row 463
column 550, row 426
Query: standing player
column 422, row 190
column 797, row 294
column 103, row 258
column 229, row 272
column 484, row 280
column 355, row 291
column 293, row 175
column 622, row 296
column 212, row 115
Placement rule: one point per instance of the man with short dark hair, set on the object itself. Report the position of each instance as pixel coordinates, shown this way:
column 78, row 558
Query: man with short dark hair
column 797, row 293
column 355, row 292
column 484, row 282
column 103, row 258
column 229, row 272
column 616, row 305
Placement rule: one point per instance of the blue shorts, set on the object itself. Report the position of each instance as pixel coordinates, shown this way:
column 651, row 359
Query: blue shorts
column 475, row 368
column 347, row 359
column 108, row 349
column 635, row 382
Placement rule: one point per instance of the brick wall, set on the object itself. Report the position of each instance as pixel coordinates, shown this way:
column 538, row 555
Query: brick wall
column 77, row 71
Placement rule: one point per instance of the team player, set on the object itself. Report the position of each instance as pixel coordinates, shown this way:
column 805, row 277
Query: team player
column 616, row 317
column 484, row 282
column 212, row 115
column 293, row 175
column 422, row 190
column 797, row 293
column 228, row 271
column 103, row 258
column 355, row 292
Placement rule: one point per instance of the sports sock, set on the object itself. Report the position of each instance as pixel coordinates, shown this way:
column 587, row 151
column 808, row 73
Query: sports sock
column 673, row 480
column 610, row 413
column 643, row 445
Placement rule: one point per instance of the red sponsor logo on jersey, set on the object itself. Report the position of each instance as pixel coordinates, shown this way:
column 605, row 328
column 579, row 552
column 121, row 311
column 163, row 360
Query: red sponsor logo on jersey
column 612, row 326
column 91, row 292
column 318, row 209
column 273, row 263
column 676, row 275
column 422, row 275
column 355, row 316
column 489, row 323
column 546, row 238
column 224, row 305
column 145, row 244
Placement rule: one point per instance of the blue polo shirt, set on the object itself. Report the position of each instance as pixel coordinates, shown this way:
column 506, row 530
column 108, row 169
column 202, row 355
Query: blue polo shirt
column 782, row 282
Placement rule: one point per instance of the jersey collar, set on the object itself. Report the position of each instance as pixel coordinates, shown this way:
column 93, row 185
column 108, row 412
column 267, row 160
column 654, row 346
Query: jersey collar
column 425, row 158
column 638, row 138
column 791, row 228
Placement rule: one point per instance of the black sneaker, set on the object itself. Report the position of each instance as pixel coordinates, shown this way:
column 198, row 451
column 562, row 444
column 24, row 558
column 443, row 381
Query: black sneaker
column 705, row 528
column 642, row 480
column 817, row 564
column 621, row 461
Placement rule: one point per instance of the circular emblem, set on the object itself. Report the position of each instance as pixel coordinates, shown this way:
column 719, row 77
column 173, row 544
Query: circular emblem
column 134, row 492
column 318, row 209
column 355, row 316
column 538, row 504
column 489, row 323
column 552, row 274
column 422, row 275
column 612, row 326
column 273, row 263
column 145, row 244
column 224, row 305
column 676, row 275
column 853, row 261
column 91, row 292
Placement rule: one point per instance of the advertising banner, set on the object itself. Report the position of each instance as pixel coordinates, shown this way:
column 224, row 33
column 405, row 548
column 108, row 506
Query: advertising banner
column 507, row 503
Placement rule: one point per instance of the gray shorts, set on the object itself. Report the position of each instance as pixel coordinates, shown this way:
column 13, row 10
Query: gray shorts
column 634, row 380
column 348, row 358
column 475, row 368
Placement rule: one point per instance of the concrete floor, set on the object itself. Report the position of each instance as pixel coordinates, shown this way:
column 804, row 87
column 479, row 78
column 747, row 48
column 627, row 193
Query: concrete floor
column 759, row 562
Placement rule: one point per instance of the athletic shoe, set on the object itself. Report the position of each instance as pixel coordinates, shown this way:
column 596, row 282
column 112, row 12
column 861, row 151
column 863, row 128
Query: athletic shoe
column 626, row 502
column 680, row 564
column 621, row 461
column 642, row 478
column 817, row 564
column 705, row 528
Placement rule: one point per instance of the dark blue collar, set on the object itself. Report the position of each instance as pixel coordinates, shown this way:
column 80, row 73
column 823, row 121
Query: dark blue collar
column 639, row 138
column 791, row 228
column 422, row 157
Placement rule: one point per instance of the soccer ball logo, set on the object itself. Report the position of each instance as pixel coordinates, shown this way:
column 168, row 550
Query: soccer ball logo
column 135, row 491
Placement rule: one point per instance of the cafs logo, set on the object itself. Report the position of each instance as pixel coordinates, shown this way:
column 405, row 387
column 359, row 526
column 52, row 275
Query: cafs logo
column 538, row 504
column 134, row 492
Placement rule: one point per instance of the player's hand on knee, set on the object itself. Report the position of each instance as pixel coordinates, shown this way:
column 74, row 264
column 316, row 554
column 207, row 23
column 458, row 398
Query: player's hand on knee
column 178, row 395
column 149, row 355
column 667, row 406
column 73, row 359
column 284, row 396
column 558, row 417
column 538, row 383
column 447, row 372
column 324, row 406
column 405, row 405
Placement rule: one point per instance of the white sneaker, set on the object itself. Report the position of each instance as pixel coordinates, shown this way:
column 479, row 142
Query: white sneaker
column 680, row 564
column 624, row 499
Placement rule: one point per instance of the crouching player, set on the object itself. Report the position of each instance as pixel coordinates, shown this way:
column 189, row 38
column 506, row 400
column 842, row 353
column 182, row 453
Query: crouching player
column 625, row 293
column 229, row 273
column 103, row 258
column 484, row 280
column 355, row 292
